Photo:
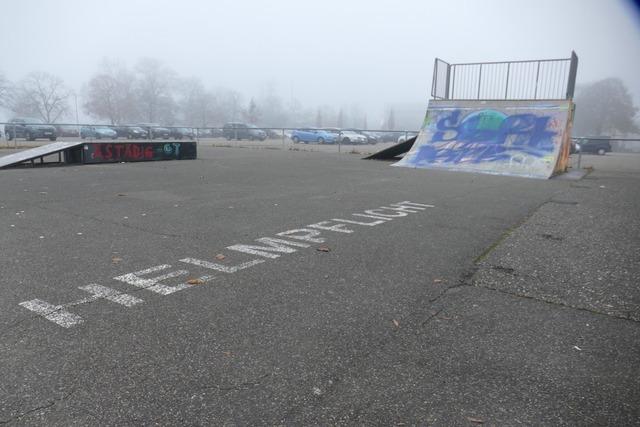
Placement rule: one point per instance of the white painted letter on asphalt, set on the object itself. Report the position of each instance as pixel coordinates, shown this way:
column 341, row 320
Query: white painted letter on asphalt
column 370, row 224
column 273, row 245
column 54, row 313
column 111, row 295
column 322, row 225
column 385, row 214
column 220, row 267
column 304, row 234
column 152, row 283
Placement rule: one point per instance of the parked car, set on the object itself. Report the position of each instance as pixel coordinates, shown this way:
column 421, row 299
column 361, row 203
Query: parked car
column 156, row 131
column 216, row 133
column 69, row 131
column 159, row 132
column 210, row 133
column 205, row 133
column 98, row 132
column 235, row 130
column 137, row 133
column 131, row 132
column 256, row 133
column 406, row 135
column 182, row 133
column 388, row 136
column 350, row 137
column 312, row 135
column 238, row 130
column 593, row 146
column 372, row 138
column 333, row 131
column 30, row 129
column 274, row 133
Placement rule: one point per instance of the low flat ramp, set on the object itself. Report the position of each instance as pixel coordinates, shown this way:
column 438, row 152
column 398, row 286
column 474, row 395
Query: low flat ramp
column 519, row 138
column 36, row 153
column 393, row 151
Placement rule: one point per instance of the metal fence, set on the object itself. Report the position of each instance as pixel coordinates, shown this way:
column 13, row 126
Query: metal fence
column 510, row 80
column 22, row 135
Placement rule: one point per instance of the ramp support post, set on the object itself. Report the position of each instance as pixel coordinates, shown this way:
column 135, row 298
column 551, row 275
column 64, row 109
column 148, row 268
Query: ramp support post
column 479, row 80
column 535, row 94
column 506, row 86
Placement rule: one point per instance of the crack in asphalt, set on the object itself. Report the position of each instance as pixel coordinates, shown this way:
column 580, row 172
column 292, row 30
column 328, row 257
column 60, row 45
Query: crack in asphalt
column 335, row 378
column 556, row 303
column 486, row 252
column 48, row 405
column 428, row 319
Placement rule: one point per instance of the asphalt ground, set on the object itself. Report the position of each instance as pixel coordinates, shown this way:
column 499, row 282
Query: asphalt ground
column 490, row 306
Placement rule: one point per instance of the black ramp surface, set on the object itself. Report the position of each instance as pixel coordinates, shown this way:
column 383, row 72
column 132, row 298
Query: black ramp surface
column 393, row 151
column 37, row 152
column 381, row 326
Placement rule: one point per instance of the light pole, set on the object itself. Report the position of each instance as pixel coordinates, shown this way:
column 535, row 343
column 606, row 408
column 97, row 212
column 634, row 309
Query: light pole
column 75, row 97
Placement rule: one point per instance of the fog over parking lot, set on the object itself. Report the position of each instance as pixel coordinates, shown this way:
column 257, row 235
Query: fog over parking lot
column 362, row 57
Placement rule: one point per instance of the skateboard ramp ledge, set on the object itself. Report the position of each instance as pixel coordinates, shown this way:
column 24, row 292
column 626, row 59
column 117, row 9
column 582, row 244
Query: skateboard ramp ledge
column 393, row 152
column 103, row 152
column 68, row 149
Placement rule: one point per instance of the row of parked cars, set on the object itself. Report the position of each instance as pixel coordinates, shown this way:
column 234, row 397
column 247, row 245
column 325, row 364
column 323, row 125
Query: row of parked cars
column 32, row 129
column 347, row 136
column 239, row 131
column 143, row 131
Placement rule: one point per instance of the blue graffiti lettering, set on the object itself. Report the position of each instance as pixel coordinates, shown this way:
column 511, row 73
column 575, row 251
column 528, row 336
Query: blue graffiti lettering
column 487, row 136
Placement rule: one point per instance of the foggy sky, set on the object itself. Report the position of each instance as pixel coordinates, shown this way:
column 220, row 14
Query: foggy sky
column 336, row 52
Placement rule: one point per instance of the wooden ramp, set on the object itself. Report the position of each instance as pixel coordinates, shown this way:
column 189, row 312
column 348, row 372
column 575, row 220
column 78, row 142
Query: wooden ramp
column 31, row 155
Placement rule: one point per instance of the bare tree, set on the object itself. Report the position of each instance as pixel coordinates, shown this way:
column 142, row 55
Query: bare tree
column 340, row 121
column 196, row 104
column 229, row 105
column 154, row 95
column 605, row 108
column 4, row 90
column 355, row 116
column 110, row 94
column 272, row 107
column 319, row 118
column 391, row 120
column 298, row 115
column 42, row 95
column 329, row 115
column 252, row 114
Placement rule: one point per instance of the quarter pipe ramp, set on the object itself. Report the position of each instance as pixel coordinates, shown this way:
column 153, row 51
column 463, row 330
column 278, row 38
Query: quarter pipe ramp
column 519, row 138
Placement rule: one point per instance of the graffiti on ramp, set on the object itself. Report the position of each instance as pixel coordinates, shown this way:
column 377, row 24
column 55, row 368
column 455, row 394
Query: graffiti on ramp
column 502, row 137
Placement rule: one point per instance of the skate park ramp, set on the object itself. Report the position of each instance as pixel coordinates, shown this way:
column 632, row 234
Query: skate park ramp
column 81, row 152
column 520, row 138
column 32, row 154
column 393, row 152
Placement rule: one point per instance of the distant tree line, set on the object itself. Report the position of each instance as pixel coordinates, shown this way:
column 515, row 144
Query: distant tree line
column 151, row 92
